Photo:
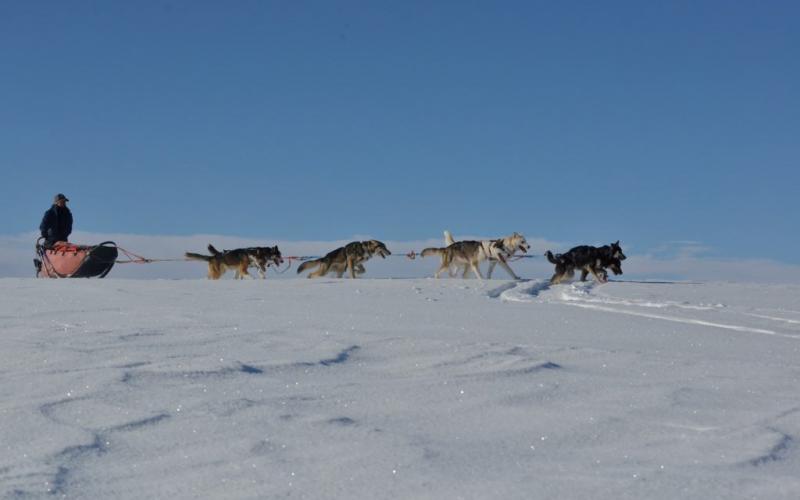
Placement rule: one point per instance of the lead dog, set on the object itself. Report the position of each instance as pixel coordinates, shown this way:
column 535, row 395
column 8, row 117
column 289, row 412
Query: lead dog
column 350, row 257
column 239, row 260
column 497, row 254
column 588, row 259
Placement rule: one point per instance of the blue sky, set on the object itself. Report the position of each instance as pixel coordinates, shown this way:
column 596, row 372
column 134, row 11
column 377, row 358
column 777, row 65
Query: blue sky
column 649, row 122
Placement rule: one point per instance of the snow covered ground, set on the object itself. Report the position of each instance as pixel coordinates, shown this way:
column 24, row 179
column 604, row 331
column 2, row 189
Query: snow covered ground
column 406, row 388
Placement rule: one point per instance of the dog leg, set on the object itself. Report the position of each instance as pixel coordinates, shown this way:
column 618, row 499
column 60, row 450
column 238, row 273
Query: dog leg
column 244, row 272
column 596, row 276
column 476, row 270
column 321, row 271
column 558, row 276
column 452, row 271
column 352, row 268
column 493, row 263
column 505, row 266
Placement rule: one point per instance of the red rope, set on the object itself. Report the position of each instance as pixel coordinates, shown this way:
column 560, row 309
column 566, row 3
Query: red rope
column 138, row 259
column 291, row 258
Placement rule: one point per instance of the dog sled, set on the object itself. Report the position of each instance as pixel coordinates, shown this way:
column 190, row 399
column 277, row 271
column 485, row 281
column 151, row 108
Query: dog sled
column 68, row 260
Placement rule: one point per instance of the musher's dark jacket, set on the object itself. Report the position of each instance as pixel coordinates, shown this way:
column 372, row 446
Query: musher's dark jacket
column 56, row 224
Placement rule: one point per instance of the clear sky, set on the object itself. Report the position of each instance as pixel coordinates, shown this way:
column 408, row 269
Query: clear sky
column 649, row 122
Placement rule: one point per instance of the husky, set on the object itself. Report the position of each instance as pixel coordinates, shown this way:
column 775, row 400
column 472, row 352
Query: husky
column 239, row 260
column 466, row 254
column 497, row 254
column 588, row 259
column 261, row 258
column 614, row 264
column 350, row 257
column 602, row 269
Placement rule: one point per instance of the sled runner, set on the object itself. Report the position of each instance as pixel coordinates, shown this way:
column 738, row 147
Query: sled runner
column 68, row 260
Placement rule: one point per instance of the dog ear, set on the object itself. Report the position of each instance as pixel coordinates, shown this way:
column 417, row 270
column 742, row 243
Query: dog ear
column 617, row 243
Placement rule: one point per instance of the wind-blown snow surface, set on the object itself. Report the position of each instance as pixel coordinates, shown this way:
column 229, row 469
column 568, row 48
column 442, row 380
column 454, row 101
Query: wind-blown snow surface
column 398, row 389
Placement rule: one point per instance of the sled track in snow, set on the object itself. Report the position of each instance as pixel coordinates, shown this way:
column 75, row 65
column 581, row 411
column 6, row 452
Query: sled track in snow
column 584, row 295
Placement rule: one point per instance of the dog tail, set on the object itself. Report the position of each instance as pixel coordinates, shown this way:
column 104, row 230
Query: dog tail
column 197, row 256
column 307, row 265
column 213, row 250
column 552, row 258
column 432, row 251
column 448, row 238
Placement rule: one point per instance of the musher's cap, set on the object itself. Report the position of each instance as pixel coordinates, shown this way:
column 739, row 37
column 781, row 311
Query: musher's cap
column 59, row 197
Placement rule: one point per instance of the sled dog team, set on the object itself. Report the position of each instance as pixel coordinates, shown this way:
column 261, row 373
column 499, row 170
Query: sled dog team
column 455, row 256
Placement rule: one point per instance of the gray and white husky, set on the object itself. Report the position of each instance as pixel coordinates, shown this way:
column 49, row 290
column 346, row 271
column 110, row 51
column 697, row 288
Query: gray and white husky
column 498, row 251
column 467, row 255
